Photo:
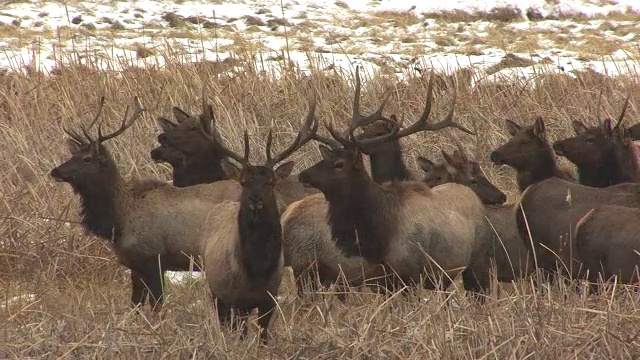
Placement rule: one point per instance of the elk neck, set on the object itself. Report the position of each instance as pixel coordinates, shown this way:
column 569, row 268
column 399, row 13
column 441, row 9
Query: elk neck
column 628, row 162
column 260, row 237
column 389, row 165
column 363, row 218
column 104, row 203
column 544, row 167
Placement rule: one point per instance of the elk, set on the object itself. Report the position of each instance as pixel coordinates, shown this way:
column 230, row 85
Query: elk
column 604, row 155
column 458, row 168
column 151, row 226
column 242, row 240
column 608, row 243
column 422, row 235
column 308, row 245
column 530, row 154
column 203, row 160
column 194, row 161
column 547, row 214
column 500, row 243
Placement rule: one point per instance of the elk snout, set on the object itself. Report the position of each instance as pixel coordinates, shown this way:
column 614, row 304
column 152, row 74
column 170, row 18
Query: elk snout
column 499, row 199
column 163, row 139
column 156, row 155
column 55, row 174
column 255, row 202
column 496, row 158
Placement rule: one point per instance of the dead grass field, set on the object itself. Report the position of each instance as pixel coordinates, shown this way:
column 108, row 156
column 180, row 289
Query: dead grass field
column 80, row 308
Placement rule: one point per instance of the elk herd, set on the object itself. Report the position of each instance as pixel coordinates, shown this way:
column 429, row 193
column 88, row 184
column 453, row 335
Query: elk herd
column 388, row 229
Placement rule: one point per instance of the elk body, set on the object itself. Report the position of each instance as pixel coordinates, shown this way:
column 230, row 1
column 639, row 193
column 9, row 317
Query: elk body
column 201, row 161
column 608, row 243
column 530, row 154
column 547, row 214
column 242, row 241
column 500, row 243
column 421, row 235
column 308, row 245
column 151, row 226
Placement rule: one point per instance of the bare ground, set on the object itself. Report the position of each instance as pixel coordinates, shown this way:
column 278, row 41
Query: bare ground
column 66, row 296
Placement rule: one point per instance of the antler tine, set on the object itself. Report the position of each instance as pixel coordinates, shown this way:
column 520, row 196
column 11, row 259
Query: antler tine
column 356, row 99
column 423, row 125
column 95, row 118
column 138, row 110
column 382, row 138
column 624, row 110
column 305, row 135
column 327, row 141
column 245, row 159
column 74, row 135
column 463, row 154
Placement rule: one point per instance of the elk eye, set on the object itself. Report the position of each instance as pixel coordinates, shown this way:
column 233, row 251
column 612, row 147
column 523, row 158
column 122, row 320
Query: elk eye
column 591, row 140
column 87, row 159
column 338, row 164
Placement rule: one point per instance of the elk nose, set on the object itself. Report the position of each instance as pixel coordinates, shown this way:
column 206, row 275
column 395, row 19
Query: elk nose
column 163, row 139
column 502, row 198
column 495, row 158
column 255, row 202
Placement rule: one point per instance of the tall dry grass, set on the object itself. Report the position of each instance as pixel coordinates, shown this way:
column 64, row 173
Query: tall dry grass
column 65, row 296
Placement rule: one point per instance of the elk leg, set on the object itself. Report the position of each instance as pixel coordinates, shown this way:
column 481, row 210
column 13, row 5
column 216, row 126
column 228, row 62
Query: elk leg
column 241, row 321
column 154, row 277
column 265, row 312
column 476, row 283
column 224, row 313
column 139, row 290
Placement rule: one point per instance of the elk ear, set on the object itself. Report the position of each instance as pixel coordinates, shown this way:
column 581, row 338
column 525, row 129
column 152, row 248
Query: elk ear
column 425, row 164
column 578, row 127
column 634, row 132
column 73, row 146
column 450, row 162
column 230, row 169
column 325, row 152
column 512, row 127
column 180, row 115
column 623, row 134
column 607, row 128
column 283, row 171
column 165, row 124
column 539, row 130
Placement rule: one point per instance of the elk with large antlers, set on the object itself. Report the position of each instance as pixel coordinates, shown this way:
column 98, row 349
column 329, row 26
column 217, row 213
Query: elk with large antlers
column 151, row 226
column 242, row 241
column 423, row 236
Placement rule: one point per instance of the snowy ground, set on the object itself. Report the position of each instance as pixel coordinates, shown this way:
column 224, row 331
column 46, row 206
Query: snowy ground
column 392, row 36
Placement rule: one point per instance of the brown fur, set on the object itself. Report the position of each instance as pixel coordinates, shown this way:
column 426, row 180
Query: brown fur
column 608, row 243
column 530, row 154
column 499, row 244
column 549, row 210
column 142, row 219
column 394, row 223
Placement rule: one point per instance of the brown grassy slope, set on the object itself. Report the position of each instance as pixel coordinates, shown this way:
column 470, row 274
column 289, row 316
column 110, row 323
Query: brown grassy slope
column 81, row 294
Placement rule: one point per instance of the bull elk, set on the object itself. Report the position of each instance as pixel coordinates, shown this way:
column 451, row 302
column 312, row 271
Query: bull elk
column 308, row 245
column 604, row 155
column 242, row 241
column 530, row 154
column 151, row 226
column 421, row 235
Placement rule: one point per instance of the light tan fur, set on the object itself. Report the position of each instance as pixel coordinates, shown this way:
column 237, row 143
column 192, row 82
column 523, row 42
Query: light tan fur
column 225, row 275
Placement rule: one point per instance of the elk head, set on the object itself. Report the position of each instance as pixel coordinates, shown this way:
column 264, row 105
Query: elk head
column 592, row 146
column 525, row 148
column 184, row 137
column 90, row 161
column 258, row 181
column 341, row 166
column 458, row 168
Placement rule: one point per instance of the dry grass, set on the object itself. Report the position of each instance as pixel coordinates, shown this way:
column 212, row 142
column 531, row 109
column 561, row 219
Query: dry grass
column 80, row 294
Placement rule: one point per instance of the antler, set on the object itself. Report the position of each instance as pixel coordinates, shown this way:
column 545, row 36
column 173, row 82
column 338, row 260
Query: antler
column 357, row 119
column 624, row 110
column 139, row 109
column 74, row 135
column 306, row 133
